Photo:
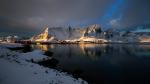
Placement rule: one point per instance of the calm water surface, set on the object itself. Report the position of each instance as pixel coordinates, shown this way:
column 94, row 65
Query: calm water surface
column 102, row 63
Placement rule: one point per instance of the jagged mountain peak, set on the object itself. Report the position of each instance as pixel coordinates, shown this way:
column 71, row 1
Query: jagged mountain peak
column 95, row 26
column 70, row 33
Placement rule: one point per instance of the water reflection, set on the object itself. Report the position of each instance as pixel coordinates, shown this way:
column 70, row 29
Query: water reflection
column 103, row 63
column 43, row 47
column 92, row 51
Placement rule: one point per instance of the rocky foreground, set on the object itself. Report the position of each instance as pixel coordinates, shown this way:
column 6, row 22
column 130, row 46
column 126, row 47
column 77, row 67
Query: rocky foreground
column 19, row 68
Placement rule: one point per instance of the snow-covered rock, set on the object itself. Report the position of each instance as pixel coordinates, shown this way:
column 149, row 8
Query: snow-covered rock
column 66, row 33
column 36, row 55
column 93, row 31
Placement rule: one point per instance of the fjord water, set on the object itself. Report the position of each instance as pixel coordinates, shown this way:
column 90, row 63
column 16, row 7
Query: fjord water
column 102, row 63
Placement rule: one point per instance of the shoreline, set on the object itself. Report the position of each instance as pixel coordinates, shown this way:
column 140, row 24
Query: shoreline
column 29, row 42
column 19, row 63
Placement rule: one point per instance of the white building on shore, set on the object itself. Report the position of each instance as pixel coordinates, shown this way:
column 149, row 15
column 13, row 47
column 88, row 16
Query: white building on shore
column 11, row 39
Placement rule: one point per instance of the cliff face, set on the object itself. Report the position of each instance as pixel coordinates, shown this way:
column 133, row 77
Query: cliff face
column 75, row 33
column 65, row 33
column 92, row 31
column 43, row 37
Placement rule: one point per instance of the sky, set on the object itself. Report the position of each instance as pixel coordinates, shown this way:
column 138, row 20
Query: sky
column 30, row 16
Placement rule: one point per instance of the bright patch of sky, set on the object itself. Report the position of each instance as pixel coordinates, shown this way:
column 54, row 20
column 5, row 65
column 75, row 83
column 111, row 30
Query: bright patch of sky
column 141, row 29
column 113, row 14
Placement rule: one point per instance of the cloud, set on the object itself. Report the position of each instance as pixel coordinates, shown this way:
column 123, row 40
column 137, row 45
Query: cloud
column 32, row 15
column 116, row 23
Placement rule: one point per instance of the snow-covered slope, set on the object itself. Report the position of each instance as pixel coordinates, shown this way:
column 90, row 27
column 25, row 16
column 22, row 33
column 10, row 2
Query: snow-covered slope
column 74, row 33
column 93, row 31
column 65, row 33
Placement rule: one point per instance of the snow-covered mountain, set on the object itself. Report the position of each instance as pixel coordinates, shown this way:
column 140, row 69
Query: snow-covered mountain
column 92, row 33
column 66, row 33
column 137, row 28
column 127, row 36
column 74, row 33
column 70, row 33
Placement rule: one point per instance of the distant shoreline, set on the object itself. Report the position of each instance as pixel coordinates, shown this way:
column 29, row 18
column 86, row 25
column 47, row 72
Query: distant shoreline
column 30, row 42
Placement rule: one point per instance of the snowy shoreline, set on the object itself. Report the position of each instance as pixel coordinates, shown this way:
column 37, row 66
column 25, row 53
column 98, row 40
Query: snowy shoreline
column 18, row 68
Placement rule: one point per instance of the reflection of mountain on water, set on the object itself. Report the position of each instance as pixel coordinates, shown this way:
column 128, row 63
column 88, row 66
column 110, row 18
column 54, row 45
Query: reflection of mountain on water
column 111, row 61
column 95, row 51
column 43, row 47
column 88, row 50
column 114, row 54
